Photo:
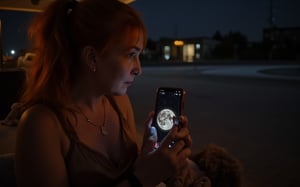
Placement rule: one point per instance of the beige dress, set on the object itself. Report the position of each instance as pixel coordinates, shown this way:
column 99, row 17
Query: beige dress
column 86, row 167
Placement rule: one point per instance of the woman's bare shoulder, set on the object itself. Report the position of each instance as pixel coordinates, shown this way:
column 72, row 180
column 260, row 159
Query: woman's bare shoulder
column 39, row 139
column 38, row 118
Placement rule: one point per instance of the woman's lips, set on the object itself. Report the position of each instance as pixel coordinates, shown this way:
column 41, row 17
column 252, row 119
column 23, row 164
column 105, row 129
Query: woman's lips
column 129, row 83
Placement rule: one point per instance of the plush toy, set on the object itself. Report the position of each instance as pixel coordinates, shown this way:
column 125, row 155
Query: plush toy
column 222, row 168
column 211, row 167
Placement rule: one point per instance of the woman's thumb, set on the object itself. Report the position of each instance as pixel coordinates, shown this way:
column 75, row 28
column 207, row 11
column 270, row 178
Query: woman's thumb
column 150, row 137
column 150, row 141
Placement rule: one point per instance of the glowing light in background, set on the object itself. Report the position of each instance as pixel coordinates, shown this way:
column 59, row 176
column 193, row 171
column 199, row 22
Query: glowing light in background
column 12, row 52
column 178, row 43
column 167, row 52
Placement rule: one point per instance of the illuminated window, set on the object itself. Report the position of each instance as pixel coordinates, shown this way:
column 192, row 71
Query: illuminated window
column 197, row 55
column 188, row 53
column 167, row 57
column 167, row 51
column 198, row 46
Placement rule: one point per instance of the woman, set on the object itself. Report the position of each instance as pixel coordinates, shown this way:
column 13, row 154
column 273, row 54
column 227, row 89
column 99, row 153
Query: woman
column 78, row 127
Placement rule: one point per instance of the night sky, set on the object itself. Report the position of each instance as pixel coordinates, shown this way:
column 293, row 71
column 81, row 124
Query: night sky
column 14, row 30
column 188, row 18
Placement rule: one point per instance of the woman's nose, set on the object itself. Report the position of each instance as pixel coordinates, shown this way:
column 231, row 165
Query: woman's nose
column 137, row 69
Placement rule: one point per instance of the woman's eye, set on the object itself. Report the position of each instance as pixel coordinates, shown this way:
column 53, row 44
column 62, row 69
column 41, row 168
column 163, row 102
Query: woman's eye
column 132, row 54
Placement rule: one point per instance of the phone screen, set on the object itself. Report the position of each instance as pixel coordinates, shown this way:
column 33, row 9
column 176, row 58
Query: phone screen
column 169, row 104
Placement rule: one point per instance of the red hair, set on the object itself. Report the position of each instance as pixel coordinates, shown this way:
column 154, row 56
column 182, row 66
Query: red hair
column 60, row 33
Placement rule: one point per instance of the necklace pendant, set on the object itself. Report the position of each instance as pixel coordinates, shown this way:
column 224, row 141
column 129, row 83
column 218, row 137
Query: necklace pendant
column 103, row 131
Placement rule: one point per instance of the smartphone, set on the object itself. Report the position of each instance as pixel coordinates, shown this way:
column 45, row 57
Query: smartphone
column 168, row 105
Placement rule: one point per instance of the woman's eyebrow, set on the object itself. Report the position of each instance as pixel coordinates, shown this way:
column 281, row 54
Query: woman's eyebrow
column 135, row 48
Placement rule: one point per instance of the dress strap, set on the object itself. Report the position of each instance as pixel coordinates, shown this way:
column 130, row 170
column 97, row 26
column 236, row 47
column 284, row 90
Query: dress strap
column 65, row 125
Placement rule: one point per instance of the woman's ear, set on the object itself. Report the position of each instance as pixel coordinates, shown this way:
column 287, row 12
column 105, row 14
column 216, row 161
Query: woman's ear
column 89, row 55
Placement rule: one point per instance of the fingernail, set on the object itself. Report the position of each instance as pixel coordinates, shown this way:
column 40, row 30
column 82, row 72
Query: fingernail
column 153, row 134
column 153, row 131
column 176, row 121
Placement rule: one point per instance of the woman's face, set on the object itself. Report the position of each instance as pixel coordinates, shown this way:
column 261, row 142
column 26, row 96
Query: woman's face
column 118, row 69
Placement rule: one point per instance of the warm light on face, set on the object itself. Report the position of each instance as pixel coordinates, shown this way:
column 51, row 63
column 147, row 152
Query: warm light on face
column 178, row 43
column 126, row 1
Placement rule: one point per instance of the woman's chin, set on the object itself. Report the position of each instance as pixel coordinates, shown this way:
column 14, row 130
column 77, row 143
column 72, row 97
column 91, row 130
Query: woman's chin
column 120, row 92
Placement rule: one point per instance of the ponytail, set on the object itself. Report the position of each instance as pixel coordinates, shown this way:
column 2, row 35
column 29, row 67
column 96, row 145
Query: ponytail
column 48, row 78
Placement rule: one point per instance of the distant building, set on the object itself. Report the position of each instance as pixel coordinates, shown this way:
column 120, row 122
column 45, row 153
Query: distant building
column 283, row 43
column 187, row 50
column 282, row 35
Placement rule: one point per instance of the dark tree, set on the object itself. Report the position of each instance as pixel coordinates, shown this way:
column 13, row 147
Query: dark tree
column 218, row 36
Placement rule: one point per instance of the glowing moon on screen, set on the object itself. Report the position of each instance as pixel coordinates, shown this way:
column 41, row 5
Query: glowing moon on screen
column 165, row 119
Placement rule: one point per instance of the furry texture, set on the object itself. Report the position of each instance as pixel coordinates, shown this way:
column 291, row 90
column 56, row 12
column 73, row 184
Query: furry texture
column 219, row 166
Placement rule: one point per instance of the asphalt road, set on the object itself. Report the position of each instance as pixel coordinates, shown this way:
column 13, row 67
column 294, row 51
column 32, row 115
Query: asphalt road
column 254, row 116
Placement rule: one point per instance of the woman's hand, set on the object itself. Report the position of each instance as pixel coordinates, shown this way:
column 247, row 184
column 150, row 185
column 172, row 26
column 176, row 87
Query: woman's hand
column 156, row 165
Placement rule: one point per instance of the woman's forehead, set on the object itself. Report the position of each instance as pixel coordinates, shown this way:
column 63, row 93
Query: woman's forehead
column 133, row 37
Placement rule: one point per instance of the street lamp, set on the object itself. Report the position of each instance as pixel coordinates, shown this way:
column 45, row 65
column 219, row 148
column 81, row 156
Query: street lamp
column 12, row 52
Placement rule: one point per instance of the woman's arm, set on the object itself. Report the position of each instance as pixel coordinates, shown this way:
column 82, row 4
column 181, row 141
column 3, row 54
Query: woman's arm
column 39, row 152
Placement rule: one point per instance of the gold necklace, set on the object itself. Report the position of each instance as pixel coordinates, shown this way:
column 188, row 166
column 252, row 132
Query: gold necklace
column 102, row 127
